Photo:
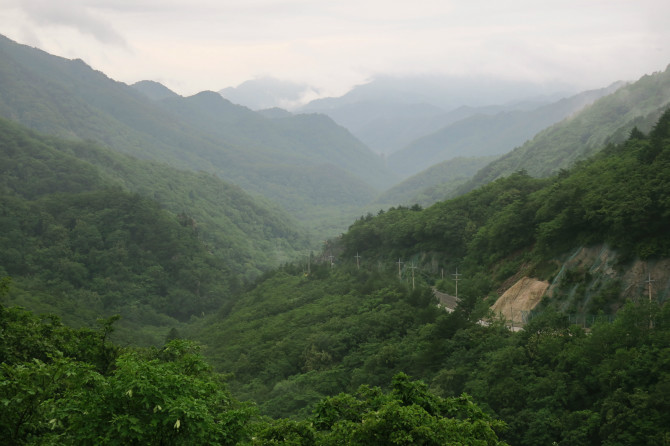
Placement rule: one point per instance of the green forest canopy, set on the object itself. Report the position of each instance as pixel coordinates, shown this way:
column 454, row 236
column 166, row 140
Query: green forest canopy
column 295, row 338
column 295, row 341
column 64, row 386
column 87, row 233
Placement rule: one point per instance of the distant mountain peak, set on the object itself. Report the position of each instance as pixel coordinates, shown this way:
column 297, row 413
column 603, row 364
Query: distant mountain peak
column 269, row 92
column 154, row 90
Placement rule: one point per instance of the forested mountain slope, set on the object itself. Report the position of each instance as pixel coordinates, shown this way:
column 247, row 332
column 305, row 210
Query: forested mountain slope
column 87, row 232
column 609, row 119
column 300, row 140
column 75, row 240
column 604, row 199
column 297, row 336
column 487, row 134
column 69, row 99
column 434, row 184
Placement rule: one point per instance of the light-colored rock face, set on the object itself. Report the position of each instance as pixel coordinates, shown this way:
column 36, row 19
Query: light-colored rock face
column 584, row 274
column 520, row 299
column 636, row 279
column 602, row 264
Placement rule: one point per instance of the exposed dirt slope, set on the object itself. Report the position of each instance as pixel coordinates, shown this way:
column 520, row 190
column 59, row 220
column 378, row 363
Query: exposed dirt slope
column 519, row 299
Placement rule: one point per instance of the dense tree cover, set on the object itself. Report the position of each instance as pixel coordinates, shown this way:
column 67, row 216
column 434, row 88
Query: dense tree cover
column 551, row 383
column 450, row 227
column 295, row 341
column 619, row 197
column 408, row 414
column 80, row 244
column 295, row 338
column 251, row 233
column 60, row 386
column 98, row 253
column 555, row 383
column 298, row 337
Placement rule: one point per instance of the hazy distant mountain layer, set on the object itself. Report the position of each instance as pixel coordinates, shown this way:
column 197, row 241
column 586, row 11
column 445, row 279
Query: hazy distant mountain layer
column 434, row 184
column 267, row 92
column 444, row 91
column 609, row 119
column 300, row 140
column 483, row 134
column 389, row 113
column 385, row 126
column 69, row 99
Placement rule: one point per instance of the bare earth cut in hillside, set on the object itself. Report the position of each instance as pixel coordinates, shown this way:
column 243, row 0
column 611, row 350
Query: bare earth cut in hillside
column 520, row 299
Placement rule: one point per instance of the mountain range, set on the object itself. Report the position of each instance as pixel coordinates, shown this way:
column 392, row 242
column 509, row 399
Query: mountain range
column 279, row 158
column 556, row 147
column 389, row 113
column 163, row 226
column 306, row 163
column 608, row 120
column 484, row 134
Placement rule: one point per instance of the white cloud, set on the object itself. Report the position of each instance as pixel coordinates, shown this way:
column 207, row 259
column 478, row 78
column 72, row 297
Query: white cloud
column 75, row 14
column 194, row 45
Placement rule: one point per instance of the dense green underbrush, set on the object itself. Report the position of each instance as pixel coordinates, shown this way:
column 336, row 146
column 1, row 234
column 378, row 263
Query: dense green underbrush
column 63, row 386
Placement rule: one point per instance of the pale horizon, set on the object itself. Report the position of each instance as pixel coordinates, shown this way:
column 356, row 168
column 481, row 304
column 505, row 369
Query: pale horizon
column 196, row 45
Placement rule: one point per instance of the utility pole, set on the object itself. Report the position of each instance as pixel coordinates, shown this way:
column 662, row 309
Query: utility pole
column 358, row 265
column 456, row 279
column 649, row 282
column 309, row 262
column 331, row 260
column 413, row 268
column 399, row 273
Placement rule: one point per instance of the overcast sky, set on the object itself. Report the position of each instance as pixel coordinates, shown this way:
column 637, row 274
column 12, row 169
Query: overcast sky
column 195, row 45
